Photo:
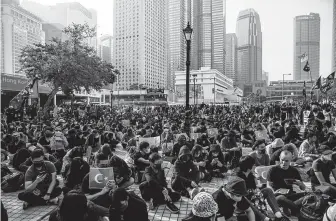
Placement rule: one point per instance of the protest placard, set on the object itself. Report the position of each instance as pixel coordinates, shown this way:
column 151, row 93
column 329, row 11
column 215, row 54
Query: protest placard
column 195, row 136
column 153, row 141
column 212, row 132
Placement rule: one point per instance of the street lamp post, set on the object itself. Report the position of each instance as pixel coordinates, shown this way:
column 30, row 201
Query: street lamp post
column 187, row 34
column 194, row 75
column 214, row 90
column 283, row 82
column 118, row 89
column 111, row 98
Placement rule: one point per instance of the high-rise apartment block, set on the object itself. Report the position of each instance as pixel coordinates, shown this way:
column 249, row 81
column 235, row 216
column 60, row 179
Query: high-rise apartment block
column 334, row 38
column 176, row 44
column 208, row 43
column 306, row 40
column 231, row 57
column 65, row 14
column 105, row 48
column 19, row 28
column 140, row 52
column 249, row 47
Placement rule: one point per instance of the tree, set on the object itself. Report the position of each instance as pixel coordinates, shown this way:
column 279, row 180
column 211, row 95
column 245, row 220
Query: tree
column 67, row 65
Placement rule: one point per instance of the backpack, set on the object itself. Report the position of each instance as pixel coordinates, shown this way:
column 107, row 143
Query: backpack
column 313, row 207
column 12, row 182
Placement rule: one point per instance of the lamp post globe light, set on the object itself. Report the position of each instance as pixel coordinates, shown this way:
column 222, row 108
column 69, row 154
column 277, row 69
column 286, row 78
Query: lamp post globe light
column 187, row 34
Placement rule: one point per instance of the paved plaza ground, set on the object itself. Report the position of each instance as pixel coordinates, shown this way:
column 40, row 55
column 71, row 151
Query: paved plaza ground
column 161, row 213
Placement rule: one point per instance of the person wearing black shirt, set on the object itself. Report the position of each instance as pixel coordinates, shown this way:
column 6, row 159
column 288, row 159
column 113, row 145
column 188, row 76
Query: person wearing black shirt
column 154, row 189
column 230, row 199
column 141, row 157
column 281, row 179
column 321, row 170
column 246, row 164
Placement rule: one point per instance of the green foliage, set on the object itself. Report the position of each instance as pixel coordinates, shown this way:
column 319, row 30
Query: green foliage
column 68, row 65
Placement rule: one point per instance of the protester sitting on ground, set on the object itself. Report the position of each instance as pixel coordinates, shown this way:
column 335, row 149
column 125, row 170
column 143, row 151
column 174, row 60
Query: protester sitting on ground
column 215, row 162
column 204, row 141
column 74, row 177
column 58, row 143
column 23, row 167
column 181, row 141
column 330, row 140
column 92, row 144
column 15, row 145
column 186, row 175
column 199, row 156
column 231, row 201
column 154, row 190
column 246, row 165
column 127, row 137
column 69, row 156
column 45, row 139
column 141, row 157
column 204, row 208
column 122, row 172
column 75, row 206
column 308, row 149
column 274, row 146
column 259, row 153
column 110, row 139
column 321, row 170
column 281, row 179
column 275, row 157
column 41, row 186
column 261, row 133
column 230, row 150
column 127, row 207
column 103, row 156
column 247, row 136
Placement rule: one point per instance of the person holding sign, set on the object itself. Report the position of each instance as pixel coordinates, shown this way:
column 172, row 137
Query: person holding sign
column 154, row 189
column 215, row 162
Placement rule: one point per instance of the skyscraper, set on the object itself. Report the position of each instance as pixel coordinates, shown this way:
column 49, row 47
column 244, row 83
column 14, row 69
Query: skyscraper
column 334, row 38
column 19, row 28
column 176, row 44
column 231, row 56
column 140, row 42
column 54, row 31
column 64, row 14
column 249, row 48
column 208, row 44
column 306, row 40
column 105, row 48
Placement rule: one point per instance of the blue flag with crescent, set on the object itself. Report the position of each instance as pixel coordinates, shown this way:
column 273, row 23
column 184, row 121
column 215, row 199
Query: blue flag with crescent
column 98, row 177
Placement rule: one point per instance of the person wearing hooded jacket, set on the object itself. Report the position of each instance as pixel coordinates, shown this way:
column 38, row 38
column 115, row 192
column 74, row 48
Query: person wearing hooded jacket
column 215, row 162
column 186, row 175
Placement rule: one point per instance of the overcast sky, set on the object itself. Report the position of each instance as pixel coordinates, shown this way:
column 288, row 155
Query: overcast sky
column 276, row 23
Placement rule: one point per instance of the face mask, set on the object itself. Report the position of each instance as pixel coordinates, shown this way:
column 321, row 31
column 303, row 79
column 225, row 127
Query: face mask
column 147, row 151
column 97, row 137
column 38, row 164
column 215, row 155
column 166, row 130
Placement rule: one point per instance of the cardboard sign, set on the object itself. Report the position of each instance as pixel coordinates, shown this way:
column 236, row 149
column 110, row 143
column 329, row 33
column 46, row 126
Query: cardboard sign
column 153, row 141
column 195, row 136
column 98, row 177
column 126, row 123
column 212, row 132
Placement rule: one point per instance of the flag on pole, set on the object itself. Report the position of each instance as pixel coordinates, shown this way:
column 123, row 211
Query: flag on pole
column 18, row 100
column 304, row 89
column 98, row 177
column 304, row 57
column 306, row 68
column 329, row 83
column 317, row 84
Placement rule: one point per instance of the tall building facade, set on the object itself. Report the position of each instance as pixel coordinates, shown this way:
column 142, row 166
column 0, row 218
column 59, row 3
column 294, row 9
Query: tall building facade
column 306, row 40
column 105, row 48
column 265, row 77
column 176, row 44
column 249, row 47
column 140, row 52
column 19, row 28
column 333, row 68
column 208, row 44
column 65, row 14
column 231, row 57
column 54, row 31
